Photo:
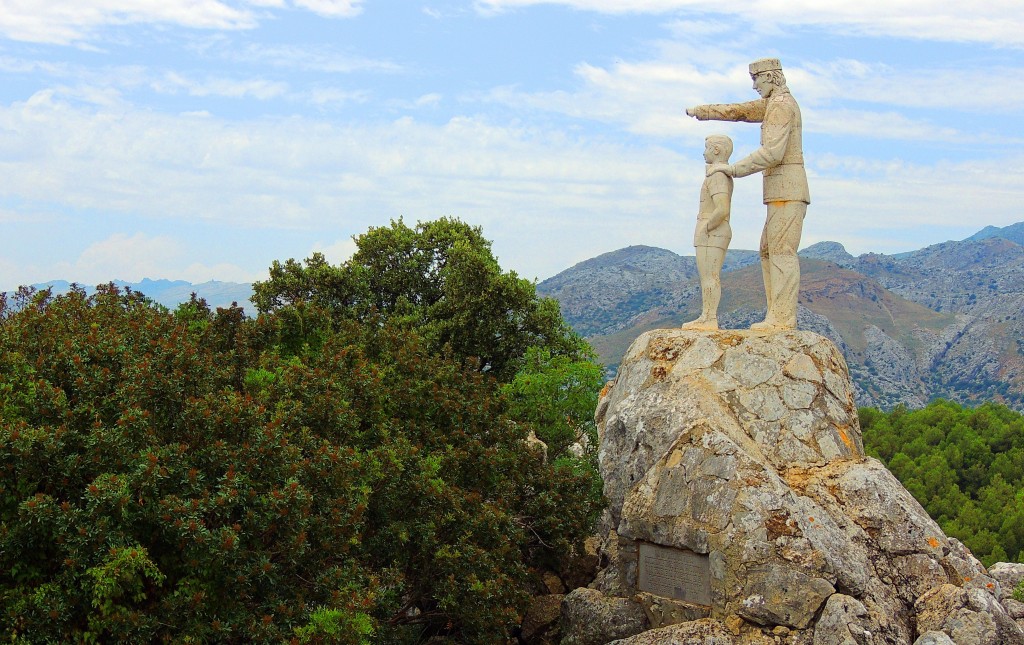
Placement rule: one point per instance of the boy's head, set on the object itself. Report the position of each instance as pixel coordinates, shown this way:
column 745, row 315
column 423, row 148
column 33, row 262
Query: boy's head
column 717, row 147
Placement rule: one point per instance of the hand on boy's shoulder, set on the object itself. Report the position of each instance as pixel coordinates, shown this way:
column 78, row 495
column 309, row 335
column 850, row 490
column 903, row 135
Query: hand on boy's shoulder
column 718, row 167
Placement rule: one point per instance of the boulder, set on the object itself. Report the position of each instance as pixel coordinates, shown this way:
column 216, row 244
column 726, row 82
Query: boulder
column 1014, row 608
column 968, row 616
column 842, row 622
column 704, row 631
column 1009, row 575
column 580, row 569
column 739, row 489
column 540, row 624
column 591, row 618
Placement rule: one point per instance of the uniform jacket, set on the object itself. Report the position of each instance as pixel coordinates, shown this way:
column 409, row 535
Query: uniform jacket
column 780, row 156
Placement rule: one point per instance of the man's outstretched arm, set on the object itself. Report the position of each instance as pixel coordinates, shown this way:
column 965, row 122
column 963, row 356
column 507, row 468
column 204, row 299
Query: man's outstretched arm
column 751, row 111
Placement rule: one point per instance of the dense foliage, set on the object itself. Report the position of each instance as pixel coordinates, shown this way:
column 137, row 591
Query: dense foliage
column 965, row 466
column 317, row 474
column 439, row 278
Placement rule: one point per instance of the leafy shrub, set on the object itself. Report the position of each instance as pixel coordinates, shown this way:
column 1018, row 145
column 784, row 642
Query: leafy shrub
column 200, row 476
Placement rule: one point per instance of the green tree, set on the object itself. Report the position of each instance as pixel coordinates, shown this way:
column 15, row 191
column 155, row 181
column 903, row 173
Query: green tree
column 197, row 475
column 965, row 466
column 556, row 396
column 439, row 278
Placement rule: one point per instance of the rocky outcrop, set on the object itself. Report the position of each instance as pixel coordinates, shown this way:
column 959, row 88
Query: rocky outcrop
column 590, row 617
column 741, row 503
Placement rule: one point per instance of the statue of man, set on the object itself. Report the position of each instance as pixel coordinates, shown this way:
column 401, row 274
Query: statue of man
column 780, row 158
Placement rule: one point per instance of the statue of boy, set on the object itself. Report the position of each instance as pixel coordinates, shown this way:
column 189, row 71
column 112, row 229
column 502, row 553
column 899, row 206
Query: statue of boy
column 780, row 158
column 711, row 238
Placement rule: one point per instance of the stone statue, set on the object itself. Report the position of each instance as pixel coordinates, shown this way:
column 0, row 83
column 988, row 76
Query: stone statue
column 780, row 159
column 711, row 238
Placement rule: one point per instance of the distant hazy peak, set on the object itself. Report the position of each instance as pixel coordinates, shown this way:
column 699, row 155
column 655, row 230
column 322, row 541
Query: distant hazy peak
column 171, row 293
column 1013, row 232
column 828, row 251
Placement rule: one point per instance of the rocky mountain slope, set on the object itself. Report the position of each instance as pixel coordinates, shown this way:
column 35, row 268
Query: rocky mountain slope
column 945, row 320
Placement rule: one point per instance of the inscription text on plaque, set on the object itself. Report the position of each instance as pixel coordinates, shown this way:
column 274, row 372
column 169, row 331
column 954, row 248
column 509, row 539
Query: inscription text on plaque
column 674, row 573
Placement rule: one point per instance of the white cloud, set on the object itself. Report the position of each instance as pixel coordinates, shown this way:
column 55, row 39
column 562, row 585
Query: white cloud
column 258, row 88
column 331, row 8
column 981, row 89
column 337, row 252
column 879, row 102
column 68, row 21
column 75, row 21
column 310, row 58
column 546, row 198
column 646, row 98
column 125, row 257
column 876, row 125
column 996, row 21
column 428, row 100
column 12, row 65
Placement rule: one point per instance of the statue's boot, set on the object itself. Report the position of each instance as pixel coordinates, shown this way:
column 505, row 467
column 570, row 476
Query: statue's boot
column 702, row 323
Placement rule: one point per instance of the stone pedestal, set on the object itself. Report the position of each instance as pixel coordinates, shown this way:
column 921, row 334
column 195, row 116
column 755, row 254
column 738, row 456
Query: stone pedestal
column 738, row 489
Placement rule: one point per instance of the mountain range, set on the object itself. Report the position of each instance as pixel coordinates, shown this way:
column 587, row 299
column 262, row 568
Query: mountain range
column 942, row 321
column 171, row 293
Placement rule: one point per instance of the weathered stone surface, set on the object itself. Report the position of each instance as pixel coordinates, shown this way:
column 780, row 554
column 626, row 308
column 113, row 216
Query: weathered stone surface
column 1014, row 608
column 591, row 618
column 537, row 446
column 552, row 583
column 704, row 632
column 662, row 612
column 541, row 620
column 934, row 638
column 781, row 595
column 1008, row 574
column 747, row 448
column 968, row 616
column 579, row 570
column 784, row 399
column 842, row 622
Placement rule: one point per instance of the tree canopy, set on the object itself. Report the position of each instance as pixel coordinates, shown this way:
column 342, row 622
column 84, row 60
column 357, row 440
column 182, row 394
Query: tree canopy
column 439, row 278
column 964, row 465
column 351, row 466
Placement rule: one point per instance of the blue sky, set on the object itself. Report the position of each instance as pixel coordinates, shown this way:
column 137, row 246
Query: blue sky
column 203, row 139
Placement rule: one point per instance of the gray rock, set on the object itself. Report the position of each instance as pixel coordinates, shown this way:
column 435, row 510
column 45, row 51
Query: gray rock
column 698, row 632
column 780, row 595
column 934, row 638
column 747, row 449
column 842, row 622
column 591, row 618
column 1014, row 608
column 542, row 618
column 968, row 616
column 1008, row 574
column 829, row 251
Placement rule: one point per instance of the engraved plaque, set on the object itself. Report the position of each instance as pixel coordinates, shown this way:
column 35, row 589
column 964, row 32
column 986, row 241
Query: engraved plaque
column 675, row 573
